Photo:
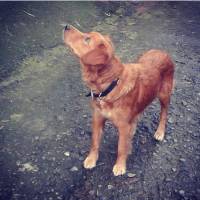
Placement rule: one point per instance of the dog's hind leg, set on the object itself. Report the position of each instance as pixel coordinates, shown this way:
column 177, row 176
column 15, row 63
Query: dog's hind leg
column 164, row 98
column 97, row 126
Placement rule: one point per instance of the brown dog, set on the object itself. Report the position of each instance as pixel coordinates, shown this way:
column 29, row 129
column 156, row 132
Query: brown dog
column 120, row 92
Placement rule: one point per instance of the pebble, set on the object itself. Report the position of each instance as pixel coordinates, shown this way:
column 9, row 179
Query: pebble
column 43, row 158
column 60, row 118
column 195, row 134
column 175, row 140
column 182, row 159
column 84, row 116
column 171, row 120
column 36, row 137
column 81, row 158
column 110, row 187
column 92, row 192
column 74, row 169
column 67, row 153
column 184, row 103
column 131, row 175
column 182, row 192
column 82, row 132
column 173, row 169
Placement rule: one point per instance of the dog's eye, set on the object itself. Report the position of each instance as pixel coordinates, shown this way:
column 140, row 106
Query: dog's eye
column 87, row 40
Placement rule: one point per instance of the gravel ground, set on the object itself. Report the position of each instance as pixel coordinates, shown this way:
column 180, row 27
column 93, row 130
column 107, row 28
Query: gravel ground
column 45, row 117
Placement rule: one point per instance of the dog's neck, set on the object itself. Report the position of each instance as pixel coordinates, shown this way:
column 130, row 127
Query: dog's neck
column 98, row 77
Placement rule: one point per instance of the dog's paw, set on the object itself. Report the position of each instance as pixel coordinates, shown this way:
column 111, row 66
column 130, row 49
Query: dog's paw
column 159, row 135
column 119, row 169
column 90, row 162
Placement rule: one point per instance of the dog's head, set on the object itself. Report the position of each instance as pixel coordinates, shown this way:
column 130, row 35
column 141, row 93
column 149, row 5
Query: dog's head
column 92, row 48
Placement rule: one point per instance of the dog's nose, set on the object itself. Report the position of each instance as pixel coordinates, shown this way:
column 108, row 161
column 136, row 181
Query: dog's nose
column 67, row 27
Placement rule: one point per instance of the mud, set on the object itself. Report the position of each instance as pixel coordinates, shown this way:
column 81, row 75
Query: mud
column 45, row 117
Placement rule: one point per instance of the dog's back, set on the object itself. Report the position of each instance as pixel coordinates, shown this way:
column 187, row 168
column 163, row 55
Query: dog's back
column 156, row 60
column 156, row 71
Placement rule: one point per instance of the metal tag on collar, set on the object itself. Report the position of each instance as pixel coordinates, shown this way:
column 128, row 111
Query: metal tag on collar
column 100, row 96
column 92, row 95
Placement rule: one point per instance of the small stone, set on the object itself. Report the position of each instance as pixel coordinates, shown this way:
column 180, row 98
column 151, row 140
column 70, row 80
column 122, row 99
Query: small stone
column 81, row 158
column 36, row 137
column 110, row 187
column 173, row 169
column 82, row 132
column 182, row 159
column 28, row 167
column 143, row 140
column 155, row 154
column 184, row 103
column 60, row 118
column 84, row 116
column 98, row 193
column 131, row 175
column 175, row 140
column 67, row 153
column 92, row 192
column 58, row 137
column 182, row 192
column 43, row 158
column 195, row 134
column 171, row 120
column 74, row 169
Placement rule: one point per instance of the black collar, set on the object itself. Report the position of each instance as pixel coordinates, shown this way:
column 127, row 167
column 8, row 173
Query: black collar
column 105, row 92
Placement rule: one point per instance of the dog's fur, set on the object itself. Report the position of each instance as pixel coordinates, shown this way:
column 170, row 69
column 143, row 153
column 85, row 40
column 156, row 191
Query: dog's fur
column 139, row 84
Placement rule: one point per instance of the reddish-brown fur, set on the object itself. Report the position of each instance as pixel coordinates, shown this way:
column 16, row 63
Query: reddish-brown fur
column 139, row 84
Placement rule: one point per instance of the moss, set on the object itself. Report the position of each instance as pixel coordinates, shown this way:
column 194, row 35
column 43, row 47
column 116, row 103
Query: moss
column 16, row 117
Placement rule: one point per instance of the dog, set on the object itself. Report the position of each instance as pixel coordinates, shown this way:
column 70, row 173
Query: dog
column 120, row 92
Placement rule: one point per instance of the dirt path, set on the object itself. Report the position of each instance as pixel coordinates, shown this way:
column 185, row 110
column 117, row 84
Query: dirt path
column 45, row 117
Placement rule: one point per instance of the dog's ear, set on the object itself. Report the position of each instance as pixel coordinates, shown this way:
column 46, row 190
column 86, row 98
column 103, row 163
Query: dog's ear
column 97, row 56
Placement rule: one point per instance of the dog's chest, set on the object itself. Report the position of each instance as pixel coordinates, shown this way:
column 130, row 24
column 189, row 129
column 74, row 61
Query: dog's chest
column 104, row 108
column 106, row 113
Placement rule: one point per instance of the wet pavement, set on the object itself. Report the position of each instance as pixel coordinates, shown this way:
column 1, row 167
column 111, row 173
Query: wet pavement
column 45, row 117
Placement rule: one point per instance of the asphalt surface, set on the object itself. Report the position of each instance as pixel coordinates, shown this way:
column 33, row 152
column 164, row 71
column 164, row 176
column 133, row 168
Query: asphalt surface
column 45, row 117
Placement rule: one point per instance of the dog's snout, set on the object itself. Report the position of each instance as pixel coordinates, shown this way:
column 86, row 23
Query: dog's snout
column 67, row 27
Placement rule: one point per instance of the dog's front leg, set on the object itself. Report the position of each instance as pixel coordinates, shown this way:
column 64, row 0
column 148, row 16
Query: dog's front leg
column 97, row 126
column 126, row 132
